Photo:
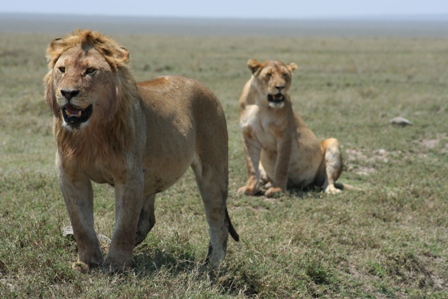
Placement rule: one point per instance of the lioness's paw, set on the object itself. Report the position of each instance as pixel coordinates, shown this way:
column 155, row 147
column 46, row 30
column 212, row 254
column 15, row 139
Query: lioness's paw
column 331, row 189
column 249, row 190
column 274, row 192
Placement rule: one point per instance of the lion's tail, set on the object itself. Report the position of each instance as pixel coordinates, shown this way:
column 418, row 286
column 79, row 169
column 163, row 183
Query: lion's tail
column 231, row 229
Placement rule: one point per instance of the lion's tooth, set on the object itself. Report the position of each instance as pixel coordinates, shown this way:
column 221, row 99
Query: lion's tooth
column 79, row 113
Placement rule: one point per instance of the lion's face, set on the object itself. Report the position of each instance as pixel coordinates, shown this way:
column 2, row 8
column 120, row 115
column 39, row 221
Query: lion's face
column 81, row 85
column 273, row 79
column 81, row 79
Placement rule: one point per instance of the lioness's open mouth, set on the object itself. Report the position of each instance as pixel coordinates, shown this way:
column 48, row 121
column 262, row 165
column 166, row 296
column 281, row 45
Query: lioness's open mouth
column 75, row 116
column 276, row 99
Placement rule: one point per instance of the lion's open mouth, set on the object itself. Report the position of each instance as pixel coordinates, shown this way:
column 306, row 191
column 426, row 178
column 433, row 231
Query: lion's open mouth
column 276, row 99
column 75, row 116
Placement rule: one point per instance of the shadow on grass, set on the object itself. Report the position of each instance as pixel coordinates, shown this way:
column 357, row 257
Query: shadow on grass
column 294, row 192
column 241, row 281
column 150, row 260
column 181, row 260
column 307, row 191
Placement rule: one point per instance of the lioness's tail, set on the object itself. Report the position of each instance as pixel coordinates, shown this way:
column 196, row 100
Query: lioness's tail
column 346, row 187
column 231, row 229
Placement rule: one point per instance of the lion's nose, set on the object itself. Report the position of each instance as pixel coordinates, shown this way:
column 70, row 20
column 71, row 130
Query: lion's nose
column 69, row 94
column 279, row 87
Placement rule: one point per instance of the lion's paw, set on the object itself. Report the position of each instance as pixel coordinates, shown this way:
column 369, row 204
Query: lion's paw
column 249, row 191
column 274, row 192
column 80, row 267
column 110, row 267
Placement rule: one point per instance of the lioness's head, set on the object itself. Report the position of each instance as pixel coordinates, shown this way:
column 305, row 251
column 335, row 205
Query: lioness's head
column 83, row 81
column 273, row 79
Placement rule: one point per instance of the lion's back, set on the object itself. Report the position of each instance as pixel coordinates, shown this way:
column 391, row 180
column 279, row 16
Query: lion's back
column 185, row 104
column 176, row 90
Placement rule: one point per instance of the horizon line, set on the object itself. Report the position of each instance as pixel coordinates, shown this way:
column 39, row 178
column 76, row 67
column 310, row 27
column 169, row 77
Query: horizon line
column 379, row 17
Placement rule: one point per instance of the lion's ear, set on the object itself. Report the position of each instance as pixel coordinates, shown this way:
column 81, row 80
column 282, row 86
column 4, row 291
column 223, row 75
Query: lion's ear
column 49, row 94
column 292, row 67
column 54, row 51
column 253, row 65
column 57, row 44
column 121, row 54
column 115, row 55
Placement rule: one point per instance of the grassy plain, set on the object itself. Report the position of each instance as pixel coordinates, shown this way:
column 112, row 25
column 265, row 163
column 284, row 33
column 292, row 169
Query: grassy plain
column 388, row 241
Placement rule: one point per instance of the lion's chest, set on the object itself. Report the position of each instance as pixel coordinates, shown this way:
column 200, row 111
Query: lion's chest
column 260, row 127
column 100, row 177
column 103, row 172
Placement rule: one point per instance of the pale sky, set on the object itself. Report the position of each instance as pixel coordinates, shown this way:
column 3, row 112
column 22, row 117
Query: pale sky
column 291, row 9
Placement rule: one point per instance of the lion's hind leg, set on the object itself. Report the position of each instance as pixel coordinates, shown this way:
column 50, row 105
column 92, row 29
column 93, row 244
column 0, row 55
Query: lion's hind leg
column 333, row 164
column 212, row 182
column 147, row 219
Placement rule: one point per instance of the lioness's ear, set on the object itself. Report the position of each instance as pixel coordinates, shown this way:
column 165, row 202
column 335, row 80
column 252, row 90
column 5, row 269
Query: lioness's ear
column 253, row 65
column 292, row 67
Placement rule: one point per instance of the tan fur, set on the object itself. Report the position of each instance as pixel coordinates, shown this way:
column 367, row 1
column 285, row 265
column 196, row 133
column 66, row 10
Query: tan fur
column 280, row 149
column 139, row 138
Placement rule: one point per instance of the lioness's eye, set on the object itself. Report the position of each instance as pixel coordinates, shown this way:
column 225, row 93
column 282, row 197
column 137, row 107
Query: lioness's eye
column 269, row 75
column 90, row 70
column 62, row 69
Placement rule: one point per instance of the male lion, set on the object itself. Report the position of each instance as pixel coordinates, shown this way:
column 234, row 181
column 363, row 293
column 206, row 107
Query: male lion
column 280, row 148
column 138, row 137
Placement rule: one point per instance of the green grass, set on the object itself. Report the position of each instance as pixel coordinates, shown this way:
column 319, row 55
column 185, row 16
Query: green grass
column 388, row 241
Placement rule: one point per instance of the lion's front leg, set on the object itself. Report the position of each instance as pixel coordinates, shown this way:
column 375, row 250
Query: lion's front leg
column 128, row 206
column 252, row 149
column 78, row 195
column 280, row 180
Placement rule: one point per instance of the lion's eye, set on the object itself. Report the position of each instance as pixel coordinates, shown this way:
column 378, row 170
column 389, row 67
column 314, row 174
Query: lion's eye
column 269, row 75
column 61, row 69
column 90, row 71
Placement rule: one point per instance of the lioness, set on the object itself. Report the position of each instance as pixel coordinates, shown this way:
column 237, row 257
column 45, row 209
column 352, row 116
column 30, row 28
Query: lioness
column 280, row 149
column 138, row 137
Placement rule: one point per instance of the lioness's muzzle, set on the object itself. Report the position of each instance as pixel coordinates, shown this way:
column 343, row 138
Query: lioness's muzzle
column 277, row 98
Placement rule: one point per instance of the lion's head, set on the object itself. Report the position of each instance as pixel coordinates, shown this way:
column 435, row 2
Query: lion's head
column 272, row 79
column 85, row 74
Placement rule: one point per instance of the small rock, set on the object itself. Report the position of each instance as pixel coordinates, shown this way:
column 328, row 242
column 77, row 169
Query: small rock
column 68, row 233
column 400, row 121
column 103, row 238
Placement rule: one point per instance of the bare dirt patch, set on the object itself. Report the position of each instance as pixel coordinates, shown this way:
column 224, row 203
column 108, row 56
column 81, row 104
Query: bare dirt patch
column 366, row 162
column 432, row 143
